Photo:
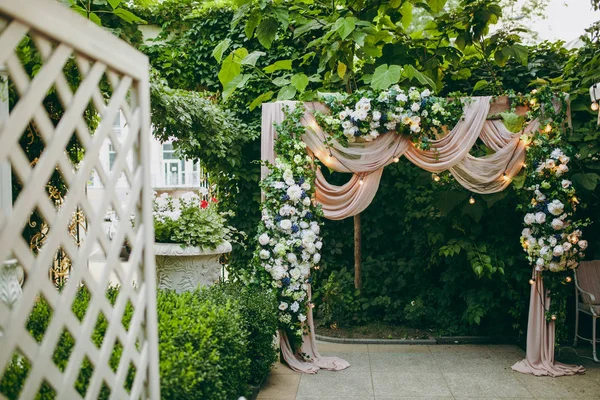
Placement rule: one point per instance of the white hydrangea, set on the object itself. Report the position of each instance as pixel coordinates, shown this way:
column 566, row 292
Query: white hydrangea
column 295, row 306
column 294, row 192
column 265, row 254
column 264, row 239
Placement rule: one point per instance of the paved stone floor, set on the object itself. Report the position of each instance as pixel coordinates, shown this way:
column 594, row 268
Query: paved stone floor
column 430, row 372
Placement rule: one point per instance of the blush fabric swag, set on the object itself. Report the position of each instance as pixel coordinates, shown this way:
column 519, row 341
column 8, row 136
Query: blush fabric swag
column 366, row 160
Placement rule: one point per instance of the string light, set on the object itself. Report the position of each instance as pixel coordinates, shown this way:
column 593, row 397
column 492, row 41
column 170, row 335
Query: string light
column 534, row 91
column 505, row 177
column 532, row 102
column 435, row 177
column 524, row 165
column 471, row 200
column 594, row 106
column 548, row 128
column 553, row 317
column 532, row 281
column 361, row 182
column 568, row 279
column 396, row 159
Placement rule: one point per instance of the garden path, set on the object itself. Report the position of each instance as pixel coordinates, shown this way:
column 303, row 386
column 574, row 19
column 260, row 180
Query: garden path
column 430, row 372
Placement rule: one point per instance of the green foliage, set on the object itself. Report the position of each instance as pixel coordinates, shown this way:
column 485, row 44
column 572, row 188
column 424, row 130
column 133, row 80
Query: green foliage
column 213, row 343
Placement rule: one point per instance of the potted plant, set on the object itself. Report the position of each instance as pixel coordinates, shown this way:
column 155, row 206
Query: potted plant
column 191, row 235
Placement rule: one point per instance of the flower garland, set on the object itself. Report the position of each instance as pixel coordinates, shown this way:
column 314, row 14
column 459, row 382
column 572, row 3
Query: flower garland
column 288, row 235
column 365, row 115
column 552, row 237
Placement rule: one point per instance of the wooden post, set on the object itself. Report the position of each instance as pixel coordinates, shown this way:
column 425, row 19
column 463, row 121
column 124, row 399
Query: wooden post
column 357, row 253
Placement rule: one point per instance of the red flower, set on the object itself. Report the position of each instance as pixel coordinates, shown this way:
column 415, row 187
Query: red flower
column 214, row 200
column 204, row 204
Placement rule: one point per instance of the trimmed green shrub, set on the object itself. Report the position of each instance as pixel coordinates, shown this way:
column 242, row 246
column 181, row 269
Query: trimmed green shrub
column 213, row 343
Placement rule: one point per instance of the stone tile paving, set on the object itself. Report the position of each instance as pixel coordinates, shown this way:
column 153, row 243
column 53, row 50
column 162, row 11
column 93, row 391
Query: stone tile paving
column 440, row 372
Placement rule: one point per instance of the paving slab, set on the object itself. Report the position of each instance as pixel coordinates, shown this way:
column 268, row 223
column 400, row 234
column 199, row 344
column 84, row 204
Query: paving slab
column 411, row 385
column 503, row 385
column 402, row 362
column 336, row 383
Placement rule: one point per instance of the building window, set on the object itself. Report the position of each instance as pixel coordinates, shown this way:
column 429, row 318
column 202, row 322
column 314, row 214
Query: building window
column 111, row 156
column 178, row 172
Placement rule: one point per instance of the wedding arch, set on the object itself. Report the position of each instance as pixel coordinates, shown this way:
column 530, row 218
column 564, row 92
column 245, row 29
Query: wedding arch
column 361, row 134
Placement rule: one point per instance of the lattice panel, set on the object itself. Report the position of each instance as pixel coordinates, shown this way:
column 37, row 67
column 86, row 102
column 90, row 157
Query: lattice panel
column 68, row 81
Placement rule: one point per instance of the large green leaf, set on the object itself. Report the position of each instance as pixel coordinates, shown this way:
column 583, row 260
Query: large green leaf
column 300, row 81
column 341, row 69
column 587, row 181
column 278, row 65
column 512, row 121
column 481, row 84
column 286, row 93
column 114, row 3
column 345, row 26
column 128, row 16
column 518, row 51
column 407, row 14
column 447, row 200
column 261, row 99
column 236, row 83
column 265, row 33
column 310, row 25
column 221, row 48
column 436, row 5
column 232, row 65
column 384, row 76
column 251, row 24
column 251, row 58
column 413, row 73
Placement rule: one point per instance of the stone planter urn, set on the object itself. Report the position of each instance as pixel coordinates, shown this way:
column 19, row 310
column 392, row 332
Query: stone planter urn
column 185, row 268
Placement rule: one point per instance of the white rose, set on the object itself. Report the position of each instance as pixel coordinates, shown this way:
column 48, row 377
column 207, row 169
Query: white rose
column 291, row 257
column 288, row 177
column 550, row 163
column 301, row 317
column 279, row 185
column 315, row 228
column 278, row 273
column 558, row 251
column 343, row 115
column 295, row 273
column 402, row 97
column 539, row 196
column 563, row 168
column 306, row 186
column 425, row 93
column 295, row 306
column 263, row 239
column 304, row 225
column 285, row 224
column 294, row 192
column 376, row 115
column 283, row 306
column 552, row 241
column 415, row 128
column 318, row 245
column 554, row 267
column 298, row 159
column 526, row 232
column 557, row 224
column 316, row 258
column 583, row 244
column 566, row 183
column 415, row 107
column 540, row 262
column 265, row 254
column 556, row 207
column 540, row 217
column 564, row 159
column 566, row 246
column 544, row 250
column 529, row 218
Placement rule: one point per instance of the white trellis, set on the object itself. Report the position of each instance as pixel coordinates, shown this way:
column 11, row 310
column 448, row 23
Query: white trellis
column 65, row 39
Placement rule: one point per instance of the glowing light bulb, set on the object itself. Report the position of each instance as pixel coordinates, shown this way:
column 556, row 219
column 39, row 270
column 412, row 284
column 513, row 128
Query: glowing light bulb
column 532, row 102
column 524, row 165
column 361, row 182
column 548, row 128
column 553, row 317
column 505, row 177
column 568, row 279
column 534, row 91
column 594, row 106
column 396, row 159
column 532, row 281
column 435, row 177
column 471, row 200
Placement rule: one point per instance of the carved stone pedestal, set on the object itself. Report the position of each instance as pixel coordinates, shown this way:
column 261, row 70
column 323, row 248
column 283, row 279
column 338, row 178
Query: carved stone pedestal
column 185, row 268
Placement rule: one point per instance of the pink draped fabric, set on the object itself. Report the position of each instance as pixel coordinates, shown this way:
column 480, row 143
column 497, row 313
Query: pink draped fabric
column 540, row 339
column 314, row 360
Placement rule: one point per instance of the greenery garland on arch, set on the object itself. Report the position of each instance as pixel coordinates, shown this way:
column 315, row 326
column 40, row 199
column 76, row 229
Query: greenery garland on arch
column 288, row 234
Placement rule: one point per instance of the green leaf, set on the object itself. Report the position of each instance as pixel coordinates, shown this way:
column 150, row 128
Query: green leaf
column 302, row 29
column 286, row 93
column 265, row 33
column 384, row 76
column 436, row 5
column 278, row 65
column 283, row 16
column 501, row 57
column 219, row 49
column 281, row 81
column 251, row 24
column 95, row 19
column 232, row 65
column 300, row 81
column 341, row 69
column 446, row 201
column 512, row 121
column 261, row 99
column 345, row 26
column 114, row 3
column 236, row 83
column 518, row 51
column 251, row 58
column 407, row 14
column 413, row 73
column 128, row 16
column 481, row 84
column 587, row 181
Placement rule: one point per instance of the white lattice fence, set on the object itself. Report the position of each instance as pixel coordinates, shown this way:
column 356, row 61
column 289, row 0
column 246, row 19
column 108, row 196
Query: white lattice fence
column 111, row 346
